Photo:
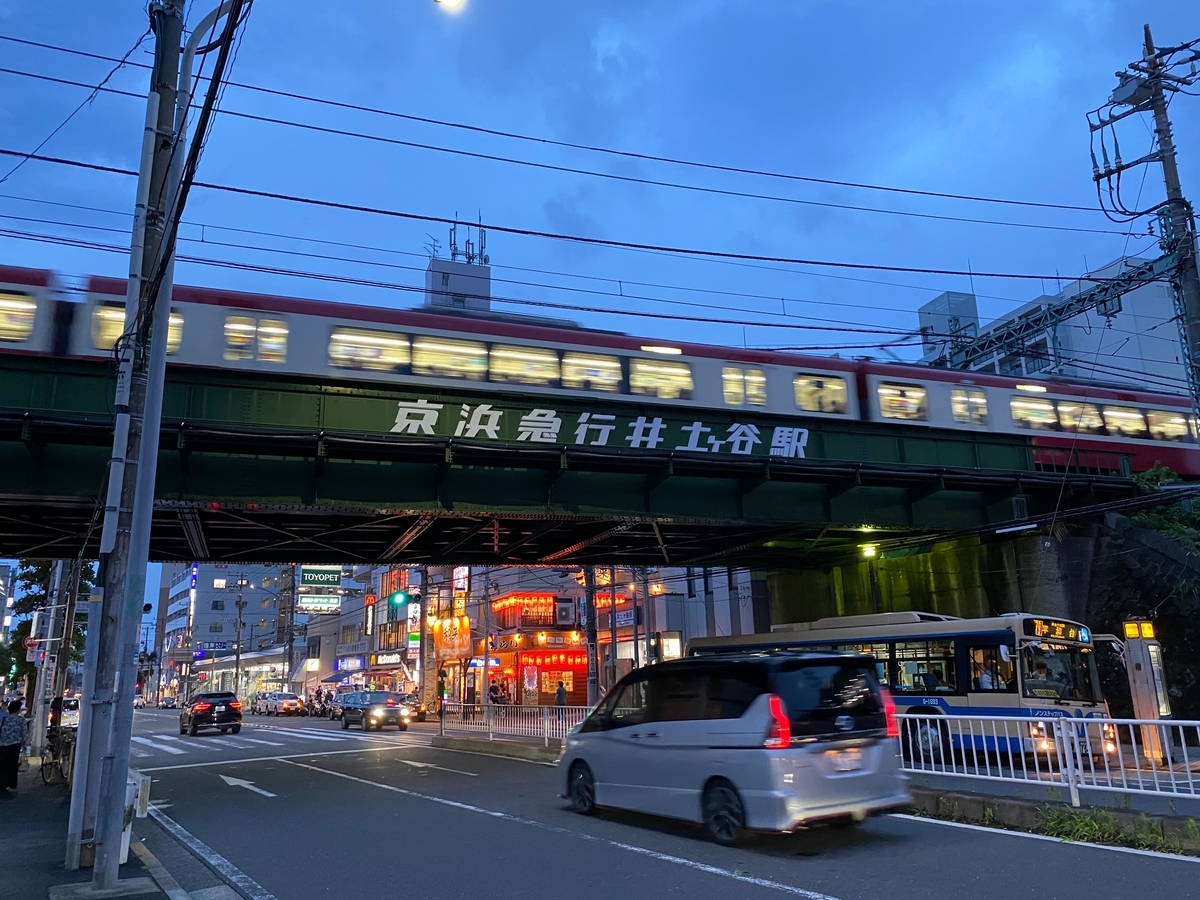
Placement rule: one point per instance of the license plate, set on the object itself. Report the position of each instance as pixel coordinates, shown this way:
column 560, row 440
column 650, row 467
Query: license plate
column 220, row 709
column 849, row 760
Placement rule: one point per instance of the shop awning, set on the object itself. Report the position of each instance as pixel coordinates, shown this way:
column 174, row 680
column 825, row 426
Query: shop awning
column 336, row 678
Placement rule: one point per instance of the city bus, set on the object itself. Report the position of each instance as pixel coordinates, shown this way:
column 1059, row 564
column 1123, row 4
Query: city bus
column 1015, row 664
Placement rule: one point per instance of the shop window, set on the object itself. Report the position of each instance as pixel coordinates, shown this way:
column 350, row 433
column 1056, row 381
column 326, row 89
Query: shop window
column 1125, row 422
column 17, row 313
column 1169, row 426
column 821, row 394
column 1034, row 413
column 1081, row 418
column 371, row 351
column 969, row 407
column 590, row 372
column 448, row 358
column 992, row 669
column 903, row 401
column 925, row 667
column 524, row 365
column 660, row 378
column 741, row 386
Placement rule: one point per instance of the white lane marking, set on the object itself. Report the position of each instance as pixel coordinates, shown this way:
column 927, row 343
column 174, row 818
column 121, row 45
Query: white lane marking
column 257, row 741
column 140, row 754
column 192, row 744
column 253, row 759
column 150, row 743
column 248, row 785
column 425, row 765
column 228, row 870
column 662, row 857
column 235, row 743
column 298, row 735
column 1045, row 837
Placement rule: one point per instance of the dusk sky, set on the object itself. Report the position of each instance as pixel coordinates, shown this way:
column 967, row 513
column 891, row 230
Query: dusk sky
column 985, row 99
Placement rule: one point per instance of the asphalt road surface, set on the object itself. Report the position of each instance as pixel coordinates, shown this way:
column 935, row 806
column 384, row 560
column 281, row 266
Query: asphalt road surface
column 299, row 809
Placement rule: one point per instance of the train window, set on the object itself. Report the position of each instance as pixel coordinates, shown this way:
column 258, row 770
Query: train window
column 968, row 407
column 16, row 317
column 741, row 386
column 250, row 338
column 1039, row 415
column 524, row 365
column 588, row 372
column 903, row 401
column 372, row 351
column 108, row 323
column 1169, row 426
column 447, row 358
column 1124, row 421
column 820, row 393
column 661, row 379
column 1082, row 418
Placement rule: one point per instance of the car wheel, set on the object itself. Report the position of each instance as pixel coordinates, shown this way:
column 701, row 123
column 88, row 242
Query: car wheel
column 402, row 727
column 182, row 727
column 224, row 731
column 581, row 789
column 193, row 730
column 724, row 816
column 236, row 728
column 345, row 723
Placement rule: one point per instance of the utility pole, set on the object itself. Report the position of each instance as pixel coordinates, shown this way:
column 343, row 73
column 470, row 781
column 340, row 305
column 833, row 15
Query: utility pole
column 287, row 595
column 486, row 619
column 612, row 625
column 1179, row 213
column 237, row 658
column 593, row 641
column 649, row 607
column 45, row 672
column 71, row 584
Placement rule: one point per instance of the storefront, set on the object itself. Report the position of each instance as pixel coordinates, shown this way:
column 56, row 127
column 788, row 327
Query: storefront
column 389, row 671
column 352, row 668
column 532, row 663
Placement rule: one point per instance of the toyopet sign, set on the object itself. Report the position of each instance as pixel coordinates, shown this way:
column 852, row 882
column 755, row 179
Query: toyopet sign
column 321, row 576
column 318, row 603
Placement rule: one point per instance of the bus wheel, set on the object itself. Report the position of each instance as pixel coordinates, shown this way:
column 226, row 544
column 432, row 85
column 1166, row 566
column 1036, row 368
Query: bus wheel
column 924, row 741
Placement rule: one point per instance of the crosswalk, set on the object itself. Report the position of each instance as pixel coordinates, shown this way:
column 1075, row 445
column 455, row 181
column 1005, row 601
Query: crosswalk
column 263, row 738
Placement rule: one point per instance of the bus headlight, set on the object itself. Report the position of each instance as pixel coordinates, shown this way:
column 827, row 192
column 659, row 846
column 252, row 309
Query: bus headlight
column 1037, row 729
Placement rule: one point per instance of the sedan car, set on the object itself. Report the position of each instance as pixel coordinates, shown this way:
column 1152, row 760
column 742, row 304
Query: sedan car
column 258, row 706
column 281, row 704
column 139, row 702
column 166, row 702
column 212, row 709
column 374, row 709
column 419, row 710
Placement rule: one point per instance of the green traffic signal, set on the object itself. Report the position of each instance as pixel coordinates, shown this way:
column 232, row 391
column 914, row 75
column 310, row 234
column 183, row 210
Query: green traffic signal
column 399, row 598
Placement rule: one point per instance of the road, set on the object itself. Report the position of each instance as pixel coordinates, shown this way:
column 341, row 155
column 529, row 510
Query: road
column 306, row 810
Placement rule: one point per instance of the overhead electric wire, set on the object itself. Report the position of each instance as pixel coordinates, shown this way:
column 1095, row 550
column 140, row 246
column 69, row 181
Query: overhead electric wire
column 612, row 176
column 627, row 154
column 688, row 252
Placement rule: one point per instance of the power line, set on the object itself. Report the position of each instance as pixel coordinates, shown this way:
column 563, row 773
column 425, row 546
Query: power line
column 691, row 252
column 627, row 154
column 612, row 176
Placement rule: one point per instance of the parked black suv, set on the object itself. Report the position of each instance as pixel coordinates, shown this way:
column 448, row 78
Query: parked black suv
column 374, row 709
column 213, row 709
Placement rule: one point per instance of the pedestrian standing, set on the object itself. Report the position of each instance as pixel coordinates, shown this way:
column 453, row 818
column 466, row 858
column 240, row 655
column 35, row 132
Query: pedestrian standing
column 560, row 696
column 13, row 731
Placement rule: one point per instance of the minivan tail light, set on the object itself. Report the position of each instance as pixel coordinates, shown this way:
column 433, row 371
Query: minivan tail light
column 779, row 733
column 202, row 707
column 889, row 713
column 236, row 704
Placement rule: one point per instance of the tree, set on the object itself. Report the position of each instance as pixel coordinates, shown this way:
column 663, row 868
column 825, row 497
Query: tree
column 33, row 584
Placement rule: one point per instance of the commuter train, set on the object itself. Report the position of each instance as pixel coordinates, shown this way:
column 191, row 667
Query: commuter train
column 1078, row 424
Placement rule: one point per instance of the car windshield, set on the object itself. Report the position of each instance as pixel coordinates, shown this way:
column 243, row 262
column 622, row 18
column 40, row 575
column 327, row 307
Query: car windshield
column 225, row 695
column 288, row 697
column 1059, row 672
column 830, row 696
column 71, row 704
column 385, row 697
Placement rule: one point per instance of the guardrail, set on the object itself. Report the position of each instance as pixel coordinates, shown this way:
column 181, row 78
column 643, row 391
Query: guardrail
column 1139, row 756
column 543, row 722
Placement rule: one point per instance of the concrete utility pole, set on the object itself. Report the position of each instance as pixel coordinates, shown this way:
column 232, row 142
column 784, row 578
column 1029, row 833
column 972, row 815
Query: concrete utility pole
column 648, row 605
column 1179, row 212
column 612, row 625
column 71, row 596
column 593, row 641
column 45, row 672
column 237, row 647
column 287, row 595
column 126, row 530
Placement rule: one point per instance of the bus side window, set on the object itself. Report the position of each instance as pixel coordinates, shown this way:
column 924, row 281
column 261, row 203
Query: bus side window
column 926, row 667
column 991, row 670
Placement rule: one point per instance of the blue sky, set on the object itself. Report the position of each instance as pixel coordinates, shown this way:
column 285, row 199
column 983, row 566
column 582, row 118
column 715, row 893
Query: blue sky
column 979, row 98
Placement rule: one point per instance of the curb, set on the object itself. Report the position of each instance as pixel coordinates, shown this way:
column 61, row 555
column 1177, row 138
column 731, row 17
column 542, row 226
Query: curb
column 508, row 749
column 161, row 876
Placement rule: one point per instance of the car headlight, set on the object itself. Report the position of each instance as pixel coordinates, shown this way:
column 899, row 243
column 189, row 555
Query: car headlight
column 404, row 711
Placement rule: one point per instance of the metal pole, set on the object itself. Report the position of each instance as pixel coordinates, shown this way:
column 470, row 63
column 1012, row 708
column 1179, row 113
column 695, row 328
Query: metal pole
column 1183, row 234
column 237, row 651
column 612, row 624
column 593, row 641
column 636, row 663
column 40, row 707
column 647, row 605
column 486, row 618
column 80, row 784
column 71, row 585
column 426, row 681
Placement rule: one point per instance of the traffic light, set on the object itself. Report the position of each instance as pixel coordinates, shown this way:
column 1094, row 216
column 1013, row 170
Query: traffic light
column 399, row 598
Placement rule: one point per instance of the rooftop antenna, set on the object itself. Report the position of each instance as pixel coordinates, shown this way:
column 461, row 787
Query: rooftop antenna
column 483, row 257
column 470, row 254
column 454, row 238
column 432, row 247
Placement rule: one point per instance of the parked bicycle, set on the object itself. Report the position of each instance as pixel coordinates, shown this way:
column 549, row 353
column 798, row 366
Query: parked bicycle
column 59, row 754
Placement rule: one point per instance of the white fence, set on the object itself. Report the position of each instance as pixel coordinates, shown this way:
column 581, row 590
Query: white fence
column 1136, row 756
column 543, row 722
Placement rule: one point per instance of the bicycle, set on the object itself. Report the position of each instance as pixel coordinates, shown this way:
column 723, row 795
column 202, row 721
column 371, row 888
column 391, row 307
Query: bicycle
column 60, row 744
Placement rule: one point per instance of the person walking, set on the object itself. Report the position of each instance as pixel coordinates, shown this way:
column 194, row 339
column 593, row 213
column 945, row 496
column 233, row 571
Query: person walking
column 13, row 731
column 560, row 696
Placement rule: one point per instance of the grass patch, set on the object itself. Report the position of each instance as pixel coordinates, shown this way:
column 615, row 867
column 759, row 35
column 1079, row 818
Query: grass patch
column 1096, row 826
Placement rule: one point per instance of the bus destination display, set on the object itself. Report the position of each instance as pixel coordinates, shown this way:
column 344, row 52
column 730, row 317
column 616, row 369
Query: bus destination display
column 1057, row 630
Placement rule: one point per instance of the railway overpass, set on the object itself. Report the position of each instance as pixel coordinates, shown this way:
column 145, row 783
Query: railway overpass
column 269, row 468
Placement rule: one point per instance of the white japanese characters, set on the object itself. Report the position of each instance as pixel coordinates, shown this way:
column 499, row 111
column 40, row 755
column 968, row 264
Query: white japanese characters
column 544, row 426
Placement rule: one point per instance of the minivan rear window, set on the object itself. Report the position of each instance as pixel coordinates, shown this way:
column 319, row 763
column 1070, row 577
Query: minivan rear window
column 825, row 698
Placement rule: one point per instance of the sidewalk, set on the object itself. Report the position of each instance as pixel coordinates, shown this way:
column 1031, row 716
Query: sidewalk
column 33, row 833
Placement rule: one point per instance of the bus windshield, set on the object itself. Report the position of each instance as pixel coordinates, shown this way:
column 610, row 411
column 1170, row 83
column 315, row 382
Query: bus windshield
column 1059, row 672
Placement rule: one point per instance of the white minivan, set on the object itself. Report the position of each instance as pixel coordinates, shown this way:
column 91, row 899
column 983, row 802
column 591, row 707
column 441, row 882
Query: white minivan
column 755, row 742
